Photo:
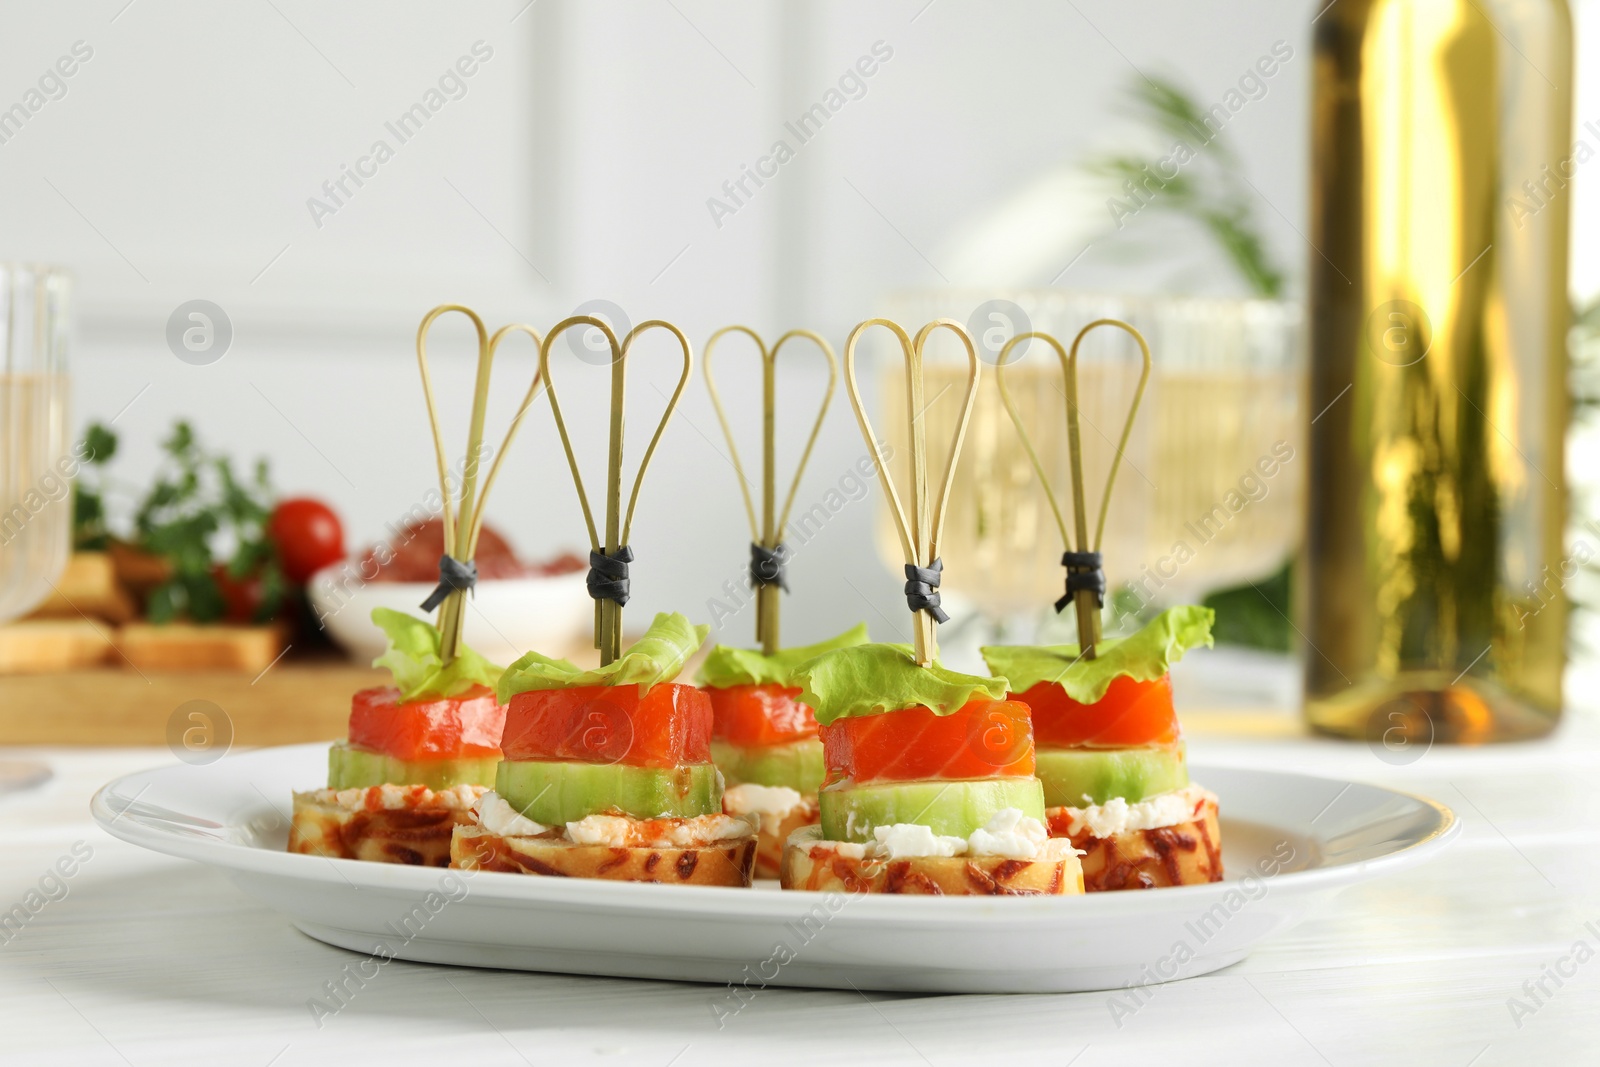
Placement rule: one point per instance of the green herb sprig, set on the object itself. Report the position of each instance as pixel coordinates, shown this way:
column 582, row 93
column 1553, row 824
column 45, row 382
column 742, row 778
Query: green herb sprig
column 89, row 530
column 196, row 498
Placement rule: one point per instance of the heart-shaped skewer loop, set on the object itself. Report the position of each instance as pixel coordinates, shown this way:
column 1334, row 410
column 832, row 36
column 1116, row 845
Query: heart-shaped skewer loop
column 766, row 568
column 609, row 557
column 919, row 531
column 1086, row 584
column 463, row 519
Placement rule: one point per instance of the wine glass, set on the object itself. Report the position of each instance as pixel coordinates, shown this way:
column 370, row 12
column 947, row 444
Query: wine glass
column 1194, row 509
column 35, row 495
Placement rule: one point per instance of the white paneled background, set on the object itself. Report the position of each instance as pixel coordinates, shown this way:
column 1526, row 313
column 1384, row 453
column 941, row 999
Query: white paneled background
column 577, row 166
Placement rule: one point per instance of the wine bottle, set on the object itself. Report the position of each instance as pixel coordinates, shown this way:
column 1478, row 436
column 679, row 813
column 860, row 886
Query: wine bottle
column 1434, row 573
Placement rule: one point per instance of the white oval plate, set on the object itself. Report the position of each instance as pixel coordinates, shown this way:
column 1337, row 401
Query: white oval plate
column 1288, row 840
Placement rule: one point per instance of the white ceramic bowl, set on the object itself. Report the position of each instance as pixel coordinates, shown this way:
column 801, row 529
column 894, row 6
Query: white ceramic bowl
column 505, row 616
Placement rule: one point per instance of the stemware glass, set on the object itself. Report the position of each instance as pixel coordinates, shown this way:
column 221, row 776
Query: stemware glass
column 1195, row 508
column 35, row 492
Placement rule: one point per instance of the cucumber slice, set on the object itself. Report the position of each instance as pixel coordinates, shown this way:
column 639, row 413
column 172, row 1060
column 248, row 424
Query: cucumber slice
column 797, row 765
column 552, row 792
column 1070, row 774
column 953, row 809
column 357, row 768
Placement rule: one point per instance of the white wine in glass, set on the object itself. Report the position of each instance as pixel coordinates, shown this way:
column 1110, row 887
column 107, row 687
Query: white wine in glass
column 35, row 497
column 1208, row 492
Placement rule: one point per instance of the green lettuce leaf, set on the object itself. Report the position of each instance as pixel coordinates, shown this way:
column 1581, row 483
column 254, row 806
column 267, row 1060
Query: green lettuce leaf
column 726, row 666
column 413, row 659
column 1144, row 656
column 873, row 679
column 656, row 657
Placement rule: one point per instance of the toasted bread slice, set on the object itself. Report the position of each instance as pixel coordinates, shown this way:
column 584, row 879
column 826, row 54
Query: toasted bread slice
column 773, row 833
column 1184, row 853
column 87, row 587
column 39, row 646
column 811, row 863
column 417, row 834
column 728, row 862
column 182, row 646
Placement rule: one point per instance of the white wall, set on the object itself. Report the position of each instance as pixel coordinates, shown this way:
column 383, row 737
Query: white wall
column 577, row 166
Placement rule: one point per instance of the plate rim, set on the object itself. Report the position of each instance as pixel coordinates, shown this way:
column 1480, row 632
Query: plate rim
column 233, row 857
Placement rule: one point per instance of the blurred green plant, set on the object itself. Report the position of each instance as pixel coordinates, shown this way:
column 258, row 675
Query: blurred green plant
column 1584, row 392
column 89, row 531
column 1585, row 348
column 1209, row 189
column 1256, row 614
column 196, row 501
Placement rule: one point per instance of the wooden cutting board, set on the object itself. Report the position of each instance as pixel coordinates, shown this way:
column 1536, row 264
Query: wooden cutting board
column 121, row 706
column 294, row 700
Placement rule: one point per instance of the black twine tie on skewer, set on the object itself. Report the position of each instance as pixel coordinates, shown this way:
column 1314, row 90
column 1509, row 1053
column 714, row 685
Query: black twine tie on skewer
column 922, row 590
column 453, row 574
column 767, row 565
column 1083, row 572
column 608, row 575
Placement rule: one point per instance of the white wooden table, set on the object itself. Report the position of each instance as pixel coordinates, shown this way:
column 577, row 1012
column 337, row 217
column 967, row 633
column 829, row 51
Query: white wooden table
column 148, row 960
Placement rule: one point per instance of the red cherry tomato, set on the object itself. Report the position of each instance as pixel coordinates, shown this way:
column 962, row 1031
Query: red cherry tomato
column 668, row 725
column 468, row 725
column 752, row 715
column 1131, row 715
column 307, row 535
column 241, row 597
column 983, row 739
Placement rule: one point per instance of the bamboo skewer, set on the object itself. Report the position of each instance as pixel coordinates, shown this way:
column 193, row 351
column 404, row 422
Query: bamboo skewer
column 618, row 523
column 920, row 534
column 1086, row 602
column 463, row 523
column 767, row 533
